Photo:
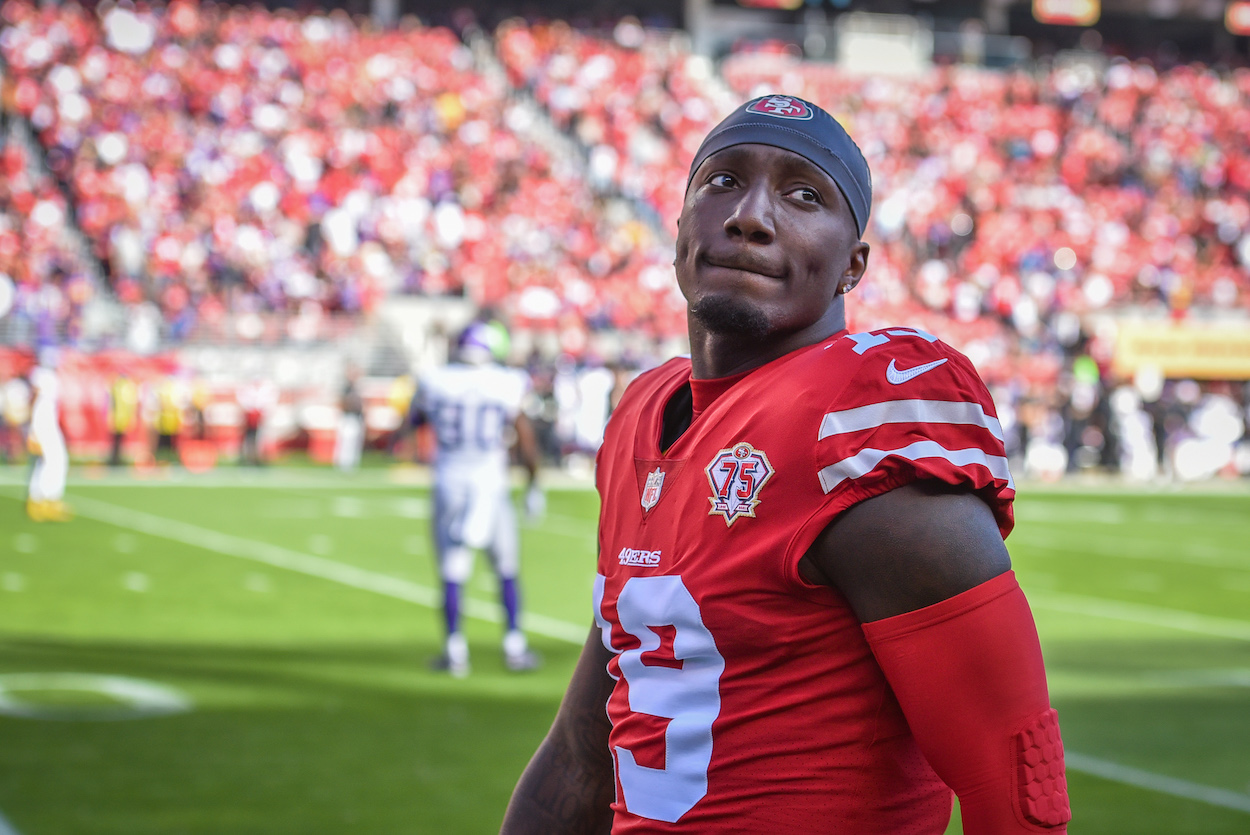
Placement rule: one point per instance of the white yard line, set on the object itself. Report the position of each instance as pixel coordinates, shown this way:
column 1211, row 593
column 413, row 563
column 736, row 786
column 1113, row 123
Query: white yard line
column 1200, row 554
column 313, row 566
column 1235, row 677
column 1156, row 782
column 569, row 526
column 1142, row 613
column 6, row 828
column 279, row 477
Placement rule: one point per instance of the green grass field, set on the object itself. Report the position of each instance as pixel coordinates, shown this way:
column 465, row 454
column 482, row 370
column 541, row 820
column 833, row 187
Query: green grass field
column 294, row 610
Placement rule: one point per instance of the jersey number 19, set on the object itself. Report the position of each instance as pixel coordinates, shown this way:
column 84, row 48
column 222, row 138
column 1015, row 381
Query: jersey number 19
column 688, row 693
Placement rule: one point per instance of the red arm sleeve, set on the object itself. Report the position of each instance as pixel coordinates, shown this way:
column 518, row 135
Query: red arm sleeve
column 968, row 674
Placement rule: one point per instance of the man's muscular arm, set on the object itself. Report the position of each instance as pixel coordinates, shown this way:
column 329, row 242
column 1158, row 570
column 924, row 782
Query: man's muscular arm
column 568, row 786
column 925, row 569
column 908, row 548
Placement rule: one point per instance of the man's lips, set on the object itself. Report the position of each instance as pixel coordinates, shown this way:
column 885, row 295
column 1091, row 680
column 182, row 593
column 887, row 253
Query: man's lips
column 745, row 265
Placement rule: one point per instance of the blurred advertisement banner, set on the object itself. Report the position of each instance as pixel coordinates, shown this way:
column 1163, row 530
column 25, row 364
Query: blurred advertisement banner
column 1208, row 352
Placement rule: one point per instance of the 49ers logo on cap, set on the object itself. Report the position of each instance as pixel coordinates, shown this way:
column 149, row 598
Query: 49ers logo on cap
column 783, row 107
column 737, row 475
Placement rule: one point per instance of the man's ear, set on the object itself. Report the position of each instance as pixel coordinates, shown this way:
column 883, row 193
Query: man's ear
column 855, row 269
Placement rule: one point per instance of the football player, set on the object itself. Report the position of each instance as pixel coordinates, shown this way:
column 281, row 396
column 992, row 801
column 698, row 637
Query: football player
column 806, row 618
column 46, row 444
column 473, row 406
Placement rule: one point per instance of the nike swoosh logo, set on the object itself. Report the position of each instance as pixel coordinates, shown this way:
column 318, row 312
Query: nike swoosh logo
column 895, row 376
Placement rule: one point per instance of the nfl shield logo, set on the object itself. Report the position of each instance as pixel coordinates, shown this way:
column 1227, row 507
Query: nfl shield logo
column 783, row 107
column 651, row 491
column 737, row 476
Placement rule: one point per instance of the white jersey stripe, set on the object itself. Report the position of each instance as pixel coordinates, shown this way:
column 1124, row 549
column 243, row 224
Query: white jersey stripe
column 908, row 411
column 866, row 460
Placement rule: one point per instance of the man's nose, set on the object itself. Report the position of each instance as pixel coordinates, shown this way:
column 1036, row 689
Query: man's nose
column 753, row 218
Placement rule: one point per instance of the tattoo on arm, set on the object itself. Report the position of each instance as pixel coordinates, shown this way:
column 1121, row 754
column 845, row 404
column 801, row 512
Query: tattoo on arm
column 567, row 796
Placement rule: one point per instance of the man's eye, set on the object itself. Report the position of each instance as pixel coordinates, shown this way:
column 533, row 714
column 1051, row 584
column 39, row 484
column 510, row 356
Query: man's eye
column 807, row 194
column 722, row 180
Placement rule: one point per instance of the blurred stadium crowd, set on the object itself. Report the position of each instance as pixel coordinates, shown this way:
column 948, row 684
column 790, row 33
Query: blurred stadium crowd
column 232, row 174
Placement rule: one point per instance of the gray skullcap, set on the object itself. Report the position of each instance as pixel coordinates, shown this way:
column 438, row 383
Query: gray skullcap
column 807, row 130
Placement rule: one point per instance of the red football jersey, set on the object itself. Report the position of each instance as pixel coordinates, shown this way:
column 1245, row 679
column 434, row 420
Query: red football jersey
column 747, row 699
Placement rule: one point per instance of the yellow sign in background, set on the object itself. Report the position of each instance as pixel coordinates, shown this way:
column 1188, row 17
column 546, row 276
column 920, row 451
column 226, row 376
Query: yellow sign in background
column 1205, row 352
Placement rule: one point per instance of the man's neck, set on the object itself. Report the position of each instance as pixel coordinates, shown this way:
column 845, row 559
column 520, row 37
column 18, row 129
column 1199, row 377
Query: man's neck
column 716, row 354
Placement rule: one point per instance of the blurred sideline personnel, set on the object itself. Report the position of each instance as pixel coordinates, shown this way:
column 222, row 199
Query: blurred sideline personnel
column 806, row 616
column 473, row 405
column 256, row 397
column 46, row 445
column 349, row 440
column 122, row 414
column 169, row 403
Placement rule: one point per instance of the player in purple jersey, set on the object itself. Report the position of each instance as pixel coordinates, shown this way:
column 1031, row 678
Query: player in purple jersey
column 473, row 405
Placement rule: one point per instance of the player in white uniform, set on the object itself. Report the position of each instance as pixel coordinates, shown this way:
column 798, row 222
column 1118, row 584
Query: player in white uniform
column 46, row 492
column 473, row 405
